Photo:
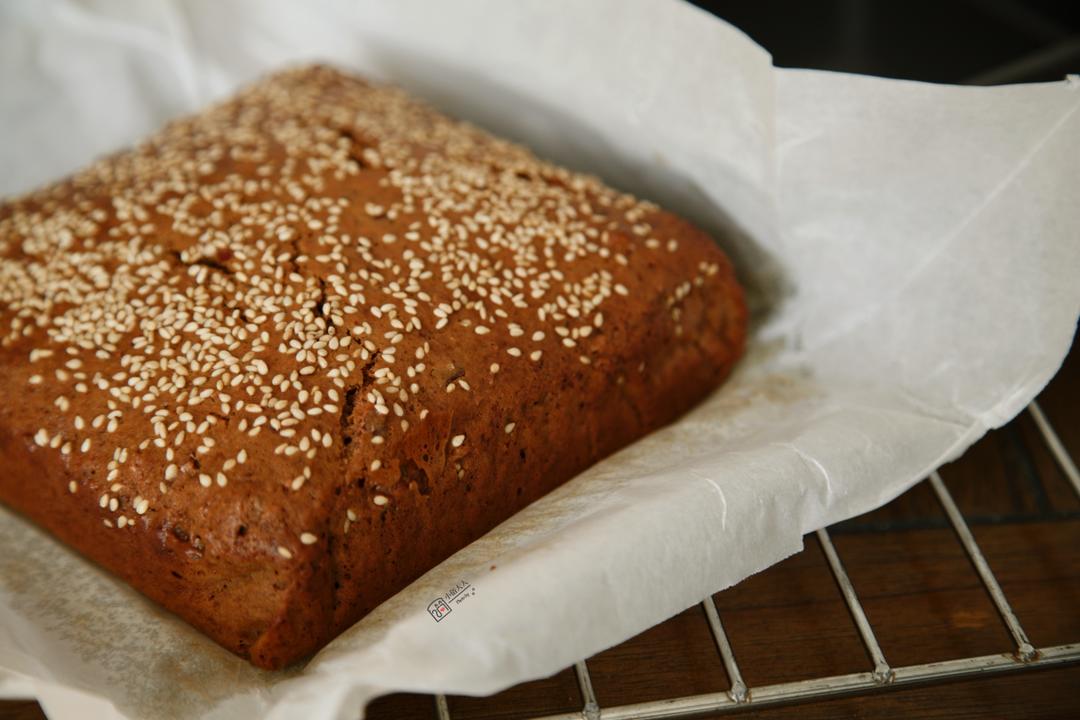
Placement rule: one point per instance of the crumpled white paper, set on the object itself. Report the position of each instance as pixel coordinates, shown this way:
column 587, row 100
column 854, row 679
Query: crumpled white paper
column 911, row 250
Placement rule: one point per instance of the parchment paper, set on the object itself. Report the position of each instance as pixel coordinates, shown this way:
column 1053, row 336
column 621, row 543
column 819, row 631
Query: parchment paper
column 912, row 251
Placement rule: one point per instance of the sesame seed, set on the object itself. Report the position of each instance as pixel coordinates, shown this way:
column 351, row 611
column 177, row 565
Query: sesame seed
column 494, row 368
column 34, row 380
column 41, row 437
column 308, row 539
column 73, row 487
column 171, row 471
column 513, row 351
column 284, row 552
column 85, row 445
column 535, row 355
column 509, row 428
column 380, row 500
column 205, row 480
column 375, row 465
column 457, row 440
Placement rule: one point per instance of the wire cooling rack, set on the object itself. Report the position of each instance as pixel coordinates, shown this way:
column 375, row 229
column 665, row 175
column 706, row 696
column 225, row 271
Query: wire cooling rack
column 879, row 675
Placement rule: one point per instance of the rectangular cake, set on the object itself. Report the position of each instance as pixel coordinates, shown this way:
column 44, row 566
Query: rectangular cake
column 288, row 354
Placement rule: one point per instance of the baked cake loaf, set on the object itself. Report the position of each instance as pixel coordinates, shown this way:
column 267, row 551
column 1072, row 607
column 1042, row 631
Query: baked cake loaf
column 288, row 354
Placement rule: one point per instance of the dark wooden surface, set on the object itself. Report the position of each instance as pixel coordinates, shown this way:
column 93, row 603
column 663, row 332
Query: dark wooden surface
column 918, row 589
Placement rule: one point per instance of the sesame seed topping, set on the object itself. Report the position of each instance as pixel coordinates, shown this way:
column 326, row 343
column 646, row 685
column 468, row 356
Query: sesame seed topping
column 509, row 428
column 308, row 539
column 282, row 296
column 284, row 552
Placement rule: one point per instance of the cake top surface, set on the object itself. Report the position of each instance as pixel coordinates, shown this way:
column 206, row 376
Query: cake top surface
column 250, row 279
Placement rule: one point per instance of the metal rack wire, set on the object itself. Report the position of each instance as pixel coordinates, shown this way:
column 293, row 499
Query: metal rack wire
column 881, row 675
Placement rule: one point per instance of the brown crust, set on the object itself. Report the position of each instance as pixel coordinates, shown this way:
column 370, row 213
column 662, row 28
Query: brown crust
column 270, row 562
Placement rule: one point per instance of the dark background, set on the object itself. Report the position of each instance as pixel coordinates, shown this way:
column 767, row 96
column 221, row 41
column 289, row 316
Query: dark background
column 953, row 41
